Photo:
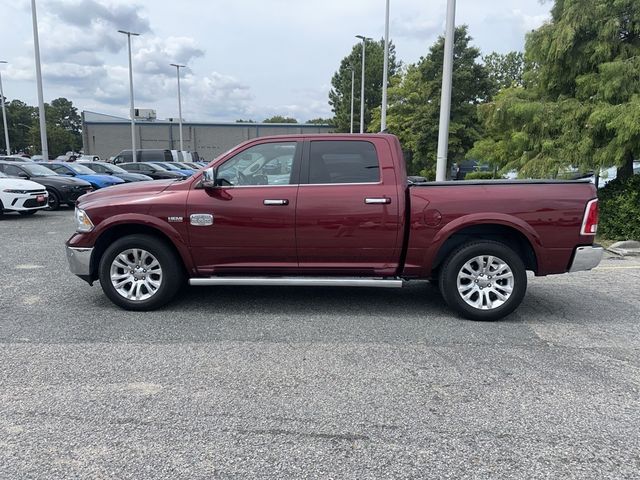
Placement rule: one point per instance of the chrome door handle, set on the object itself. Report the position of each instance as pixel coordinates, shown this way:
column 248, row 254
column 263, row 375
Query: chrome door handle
column 276, row 202
column 377, row 201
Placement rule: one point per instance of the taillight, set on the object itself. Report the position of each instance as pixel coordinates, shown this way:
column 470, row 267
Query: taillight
column 590, row 221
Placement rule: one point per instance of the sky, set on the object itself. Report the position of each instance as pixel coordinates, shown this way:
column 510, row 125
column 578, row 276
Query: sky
column 247, row 59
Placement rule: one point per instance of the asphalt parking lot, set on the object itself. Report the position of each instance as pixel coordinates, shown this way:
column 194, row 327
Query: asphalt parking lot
column 255, row 382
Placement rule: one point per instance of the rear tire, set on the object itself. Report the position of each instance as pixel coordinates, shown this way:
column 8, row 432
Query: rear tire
column 140, row 272
column 483, row 280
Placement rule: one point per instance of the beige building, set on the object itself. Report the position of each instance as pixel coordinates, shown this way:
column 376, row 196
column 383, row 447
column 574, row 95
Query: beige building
column 107, row 135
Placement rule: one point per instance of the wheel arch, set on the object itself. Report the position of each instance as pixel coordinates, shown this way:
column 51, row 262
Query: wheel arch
column 505, row 233
column 120, row 230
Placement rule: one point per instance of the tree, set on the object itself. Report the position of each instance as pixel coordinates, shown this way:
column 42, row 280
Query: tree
column 20, row 118
column 340, row 94
column 245, row 121
column 320, row 121
column 505, row 70
column 580, row 104
column 63, row 128
column 414, row 104
column 280, row 119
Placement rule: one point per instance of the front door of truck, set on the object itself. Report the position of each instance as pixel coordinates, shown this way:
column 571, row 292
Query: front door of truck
column 348, row 218
column 247, row 224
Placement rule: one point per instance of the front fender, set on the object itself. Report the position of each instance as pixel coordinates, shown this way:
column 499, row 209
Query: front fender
column 167, row 230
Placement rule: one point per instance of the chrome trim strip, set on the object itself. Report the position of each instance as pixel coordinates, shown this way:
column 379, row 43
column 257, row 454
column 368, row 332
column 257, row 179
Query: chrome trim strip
column 79, row 260
column 337, row 184
column 299, row 281
column 586, row 258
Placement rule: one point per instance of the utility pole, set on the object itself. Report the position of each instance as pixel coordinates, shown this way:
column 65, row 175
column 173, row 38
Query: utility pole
column 4, row 117
column 445, row 98
column 43, row 121
column 362, row 99
column 132, row 109
column 385, row 73
column 178, row 67
column 352, row 93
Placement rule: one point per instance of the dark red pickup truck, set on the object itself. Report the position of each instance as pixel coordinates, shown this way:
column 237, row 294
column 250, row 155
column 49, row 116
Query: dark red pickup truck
column 331, row 210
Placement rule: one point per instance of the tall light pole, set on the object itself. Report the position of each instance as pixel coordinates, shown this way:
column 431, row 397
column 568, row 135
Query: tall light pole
column 4, row 116
column 364, row 44
column 132, row 113
column 178, row 67
column 43, row 121
column 385, row 73
column 445, row 98
column 353, row 75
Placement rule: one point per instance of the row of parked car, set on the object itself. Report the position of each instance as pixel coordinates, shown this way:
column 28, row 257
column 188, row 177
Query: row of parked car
column 27, row 186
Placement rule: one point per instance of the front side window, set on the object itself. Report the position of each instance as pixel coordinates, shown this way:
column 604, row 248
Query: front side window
column 343, row 162
column 264, row 164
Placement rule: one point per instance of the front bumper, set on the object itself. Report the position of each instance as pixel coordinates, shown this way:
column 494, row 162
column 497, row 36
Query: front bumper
column 586, row 258
column 79, row 260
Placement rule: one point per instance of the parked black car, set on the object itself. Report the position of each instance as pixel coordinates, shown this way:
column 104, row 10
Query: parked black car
column 459, row 170
column 154, row 171
column 144, row 155
column 108, row 169
column 62, row 189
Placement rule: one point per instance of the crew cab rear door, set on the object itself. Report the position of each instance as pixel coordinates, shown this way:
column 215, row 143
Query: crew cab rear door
column 348, row 218
column 247, row 224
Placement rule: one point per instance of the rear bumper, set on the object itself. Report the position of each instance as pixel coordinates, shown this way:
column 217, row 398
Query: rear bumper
column 586, row 258
column 79, row 260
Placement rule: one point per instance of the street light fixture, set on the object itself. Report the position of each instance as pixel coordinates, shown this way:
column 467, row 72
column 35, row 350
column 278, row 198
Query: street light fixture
column 385, row 73
column 4, row 116
column 132, row 112
column 353, row 72
column 36, row 47
column 178, row 67
column 364, row 44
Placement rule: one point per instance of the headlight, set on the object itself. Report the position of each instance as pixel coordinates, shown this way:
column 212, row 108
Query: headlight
column 83, row 222
column 21, row 192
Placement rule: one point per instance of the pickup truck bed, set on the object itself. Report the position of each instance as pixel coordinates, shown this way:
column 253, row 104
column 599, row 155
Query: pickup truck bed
column 332, row 210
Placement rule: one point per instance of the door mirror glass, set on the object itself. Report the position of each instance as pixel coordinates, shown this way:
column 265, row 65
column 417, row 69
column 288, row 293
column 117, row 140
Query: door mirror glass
column 209, row 178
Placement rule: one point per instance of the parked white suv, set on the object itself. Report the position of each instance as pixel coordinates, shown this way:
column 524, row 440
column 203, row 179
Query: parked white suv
column 22, row 196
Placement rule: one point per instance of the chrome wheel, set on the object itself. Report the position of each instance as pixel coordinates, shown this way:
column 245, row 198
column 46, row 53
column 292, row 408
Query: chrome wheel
column 485, row 282
column 136, row 274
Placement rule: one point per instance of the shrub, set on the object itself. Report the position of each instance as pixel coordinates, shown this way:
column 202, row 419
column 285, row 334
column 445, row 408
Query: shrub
column 619, row 204
column 479, row 176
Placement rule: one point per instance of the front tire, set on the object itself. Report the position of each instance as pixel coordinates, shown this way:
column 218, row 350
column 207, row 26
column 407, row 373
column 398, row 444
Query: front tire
column 483, row 280
column 54, row 201
column 140, row 272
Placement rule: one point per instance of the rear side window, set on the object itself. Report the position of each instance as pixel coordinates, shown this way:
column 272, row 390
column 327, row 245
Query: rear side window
column 343, row 162
column 167, row 156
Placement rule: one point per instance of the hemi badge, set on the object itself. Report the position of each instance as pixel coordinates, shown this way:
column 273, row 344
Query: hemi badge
column 201, row 219
column 175, row 219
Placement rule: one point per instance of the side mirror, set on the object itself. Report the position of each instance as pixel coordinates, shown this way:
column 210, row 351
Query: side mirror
column 23, row 175
column 209, row 178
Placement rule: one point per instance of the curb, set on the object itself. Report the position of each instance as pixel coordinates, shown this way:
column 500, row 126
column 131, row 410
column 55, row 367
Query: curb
column 627, row 248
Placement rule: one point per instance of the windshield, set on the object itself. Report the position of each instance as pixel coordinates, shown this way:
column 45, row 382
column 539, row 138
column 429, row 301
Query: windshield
column 180, row 166
column 159, row 166
column 166, row 166
column 38, row 170
column 113, row 168
column 81, row 169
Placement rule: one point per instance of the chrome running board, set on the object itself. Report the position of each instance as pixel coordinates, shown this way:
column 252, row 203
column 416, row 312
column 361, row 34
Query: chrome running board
column 300, row 281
